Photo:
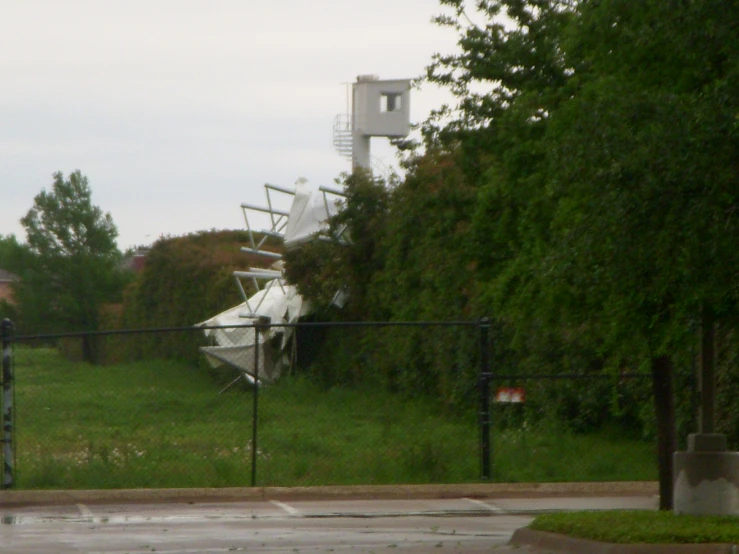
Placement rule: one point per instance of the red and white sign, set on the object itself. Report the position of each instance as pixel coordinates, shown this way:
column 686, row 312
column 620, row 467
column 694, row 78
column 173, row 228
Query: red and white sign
column 510, row 395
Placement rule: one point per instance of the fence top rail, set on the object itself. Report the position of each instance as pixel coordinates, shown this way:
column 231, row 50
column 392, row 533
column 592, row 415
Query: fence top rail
column 529, row 377
column 190, row 328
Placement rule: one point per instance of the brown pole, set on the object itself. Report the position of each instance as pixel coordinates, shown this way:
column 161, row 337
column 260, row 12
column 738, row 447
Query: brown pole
column 665, row 414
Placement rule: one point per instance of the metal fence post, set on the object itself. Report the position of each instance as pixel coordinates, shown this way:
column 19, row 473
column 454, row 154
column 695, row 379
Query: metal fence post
column 6, row 329
column 484, row 386
column 261, row 323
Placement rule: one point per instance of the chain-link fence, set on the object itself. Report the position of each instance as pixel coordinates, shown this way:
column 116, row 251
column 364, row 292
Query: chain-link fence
column 342, row 403
column 573, row 427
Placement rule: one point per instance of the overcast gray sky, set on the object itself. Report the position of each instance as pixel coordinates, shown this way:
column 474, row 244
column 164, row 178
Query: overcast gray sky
column 179, row 110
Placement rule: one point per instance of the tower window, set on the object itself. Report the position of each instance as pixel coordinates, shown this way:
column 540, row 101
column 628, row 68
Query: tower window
column 391, row 101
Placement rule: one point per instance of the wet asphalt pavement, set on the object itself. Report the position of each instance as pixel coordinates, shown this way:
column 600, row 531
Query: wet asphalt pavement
column 470, row 525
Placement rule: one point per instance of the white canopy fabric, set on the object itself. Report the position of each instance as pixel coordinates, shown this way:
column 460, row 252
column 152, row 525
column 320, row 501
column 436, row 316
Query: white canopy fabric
column 309, row 213
column 280, row 303
column 242, row 358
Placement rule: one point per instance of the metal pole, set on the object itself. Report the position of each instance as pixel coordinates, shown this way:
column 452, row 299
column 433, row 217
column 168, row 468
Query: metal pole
column 6, row 329
column 484, row 385
column 256, row 411
column 261, row 323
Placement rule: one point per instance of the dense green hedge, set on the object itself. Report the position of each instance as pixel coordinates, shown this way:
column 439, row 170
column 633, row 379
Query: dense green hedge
column 185, row 280
column 415, row 262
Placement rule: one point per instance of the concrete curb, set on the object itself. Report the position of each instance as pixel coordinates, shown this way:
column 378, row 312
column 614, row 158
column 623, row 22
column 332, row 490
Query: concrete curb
column 552, row 542
column 388, row 492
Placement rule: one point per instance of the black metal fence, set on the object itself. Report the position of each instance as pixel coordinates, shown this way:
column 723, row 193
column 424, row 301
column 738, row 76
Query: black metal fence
column 305, row 404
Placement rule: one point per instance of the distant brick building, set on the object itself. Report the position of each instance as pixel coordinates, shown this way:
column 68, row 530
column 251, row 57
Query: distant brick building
column 6, row 281
column 137, row 260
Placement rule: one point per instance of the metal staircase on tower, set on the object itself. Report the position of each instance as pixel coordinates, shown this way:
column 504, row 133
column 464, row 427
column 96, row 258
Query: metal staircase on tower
column 343, row 135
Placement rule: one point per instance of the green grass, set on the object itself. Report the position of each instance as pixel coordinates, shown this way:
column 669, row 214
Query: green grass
column 361, row 436
column 626, row 527
column 552, row 454
column 132, row 425
column 163, row 424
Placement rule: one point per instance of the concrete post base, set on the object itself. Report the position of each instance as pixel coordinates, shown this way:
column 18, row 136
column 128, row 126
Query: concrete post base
column 706, row 479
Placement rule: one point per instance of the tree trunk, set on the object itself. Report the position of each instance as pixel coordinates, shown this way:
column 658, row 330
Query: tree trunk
column 707, row 375
column 665, row 414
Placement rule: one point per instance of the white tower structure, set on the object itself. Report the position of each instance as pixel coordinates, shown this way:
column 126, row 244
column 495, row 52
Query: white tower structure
column 380, row 108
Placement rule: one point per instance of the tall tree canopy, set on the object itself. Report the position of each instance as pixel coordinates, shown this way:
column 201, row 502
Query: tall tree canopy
column 74, row 259
column 642, row 167
column 602, row 138
column 582, row 188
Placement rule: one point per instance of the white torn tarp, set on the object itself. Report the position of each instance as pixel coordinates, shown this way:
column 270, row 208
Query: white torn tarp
column 309, row 214
column 234, row 334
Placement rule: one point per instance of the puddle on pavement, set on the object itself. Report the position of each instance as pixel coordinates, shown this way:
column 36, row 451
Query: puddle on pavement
column 122, row 519
column 134, row 519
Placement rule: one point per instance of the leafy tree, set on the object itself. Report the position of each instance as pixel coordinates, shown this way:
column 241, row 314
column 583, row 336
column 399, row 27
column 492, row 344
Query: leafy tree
column 607, row 170
column 12, row 254
column 509, row 75
column 13, row 258
column 602, row 135
column 643, row 172
column 73, row 268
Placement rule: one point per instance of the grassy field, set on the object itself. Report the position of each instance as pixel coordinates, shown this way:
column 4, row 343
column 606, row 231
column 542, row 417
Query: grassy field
column 164, row 424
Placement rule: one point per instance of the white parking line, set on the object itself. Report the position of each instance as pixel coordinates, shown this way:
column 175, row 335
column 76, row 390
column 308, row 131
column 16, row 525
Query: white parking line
column 289, row 509
column 84, row 511
column 491, row 507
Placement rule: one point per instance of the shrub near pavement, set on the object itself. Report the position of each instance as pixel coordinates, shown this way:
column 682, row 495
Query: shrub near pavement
column 641, row 527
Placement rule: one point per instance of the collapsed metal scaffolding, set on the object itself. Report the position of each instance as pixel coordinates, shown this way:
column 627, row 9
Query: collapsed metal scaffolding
column 235, row 336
